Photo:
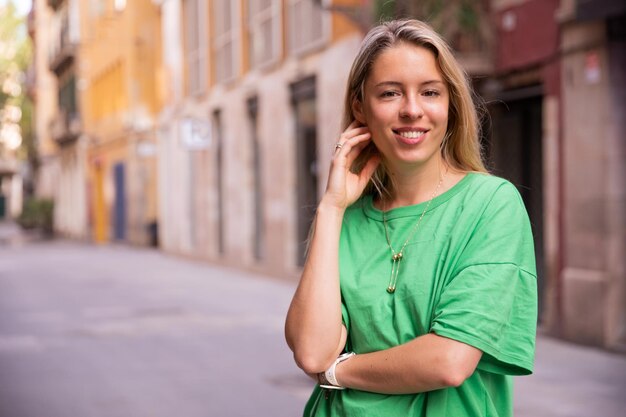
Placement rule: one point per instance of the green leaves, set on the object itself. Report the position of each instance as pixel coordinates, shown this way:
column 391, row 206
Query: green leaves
column 15, row 57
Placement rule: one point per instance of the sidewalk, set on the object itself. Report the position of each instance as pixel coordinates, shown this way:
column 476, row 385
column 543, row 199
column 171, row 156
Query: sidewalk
column 572, row 381
column 12, row 234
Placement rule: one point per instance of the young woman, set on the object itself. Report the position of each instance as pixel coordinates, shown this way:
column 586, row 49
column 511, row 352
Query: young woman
column 418, row 296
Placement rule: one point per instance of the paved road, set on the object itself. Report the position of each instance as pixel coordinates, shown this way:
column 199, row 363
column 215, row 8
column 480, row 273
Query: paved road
column 113, row 331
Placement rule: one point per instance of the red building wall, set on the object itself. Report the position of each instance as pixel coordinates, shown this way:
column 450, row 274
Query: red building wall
column 527, row 34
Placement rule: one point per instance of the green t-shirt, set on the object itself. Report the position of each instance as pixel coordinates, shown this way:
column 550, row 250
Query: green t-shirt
column 468, row 274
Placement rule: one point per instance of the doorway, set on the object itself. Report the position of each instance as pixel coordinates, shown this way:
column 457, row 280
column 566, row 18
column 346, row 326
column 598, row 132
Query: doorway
column 516, row 153
column 304, row 105
column 119, row 204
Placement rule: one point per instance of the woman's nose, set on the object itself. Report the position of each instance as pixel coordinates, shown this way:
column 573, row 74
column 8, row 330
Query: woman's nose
column 411, row 108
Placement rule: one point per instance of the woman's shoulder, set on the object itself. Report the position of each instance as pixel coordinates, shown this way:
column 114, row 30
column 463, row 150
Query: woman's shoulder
column 494, row 198
column 486, row 194
column 487, row 180
column 485, row 185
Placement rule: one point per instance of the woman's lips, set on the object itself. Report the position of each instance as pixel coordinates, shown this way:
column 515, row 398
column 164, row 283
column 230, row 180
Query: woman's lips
column 410, row 137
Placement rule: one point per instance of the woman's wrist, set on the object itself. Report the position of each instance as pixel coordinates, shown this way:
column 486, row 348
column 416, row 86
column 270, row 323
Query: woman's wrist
column 327, row 206
column 329, row 378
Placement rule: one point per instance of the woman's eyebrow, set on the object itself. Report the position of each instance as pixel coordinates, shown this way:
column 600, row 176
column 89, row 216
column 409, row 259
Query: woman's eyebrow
column 432, row 82
column 388, row 83
column 399, row 84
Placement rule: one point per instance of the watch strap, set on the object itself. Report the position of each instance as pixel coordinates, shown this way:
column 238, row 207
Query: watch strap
column 328, row 378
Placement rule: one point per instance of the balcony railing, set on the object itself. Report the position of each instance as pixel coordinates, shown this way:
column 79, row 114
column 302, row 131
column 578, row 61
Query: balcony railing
column 62, row 48
column 65, row 127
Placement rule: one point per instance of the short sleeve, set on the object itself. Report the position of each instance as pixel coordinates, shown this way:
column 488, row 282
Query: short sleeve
column 490, row 299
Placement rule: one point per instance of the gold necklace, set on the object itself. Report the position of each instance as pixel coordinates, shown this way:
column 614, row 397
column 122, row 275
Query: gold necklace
column 396, row 257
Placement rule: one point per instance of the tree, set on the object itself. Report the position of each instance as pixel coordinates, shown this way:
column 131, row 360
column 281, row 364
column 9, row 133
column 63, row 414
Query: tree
column 464, row 23
column 15, row 106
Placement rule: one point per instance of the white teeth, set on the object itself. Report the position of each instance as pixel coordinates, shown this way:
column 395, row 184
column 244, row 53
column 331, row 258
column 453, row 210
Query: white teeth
column 411, row 134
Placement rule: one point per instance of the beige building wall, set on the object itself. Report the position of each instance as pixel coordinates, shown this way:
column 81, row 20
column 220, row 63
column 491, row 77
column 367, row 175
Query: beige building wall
column 70, row 195
column 70, row 214
column 62, row 170
column 189, row 198
column 595, row 187
column 46, row 102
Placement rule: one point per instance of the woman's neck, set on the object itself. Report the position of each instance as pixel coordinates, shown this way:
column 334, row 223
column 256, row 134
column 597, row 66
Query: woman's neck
column 413, row 188
column 419, row 184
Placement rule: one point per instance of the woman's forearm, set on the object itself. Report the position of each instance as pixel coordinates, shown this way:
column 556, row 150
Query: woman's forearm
column 313, row 328
column 426, row 363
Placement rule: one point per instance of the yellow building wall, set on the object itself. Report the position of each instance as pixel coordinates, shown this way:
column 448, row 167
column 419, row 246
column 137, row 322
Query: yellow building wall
column 102, row 159
column 122, row 95
column 342, row 26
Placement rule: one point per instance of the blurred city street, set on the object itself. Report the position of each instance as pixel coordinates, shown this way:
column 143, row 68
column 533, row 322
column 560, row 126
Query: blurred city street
column 116, row 330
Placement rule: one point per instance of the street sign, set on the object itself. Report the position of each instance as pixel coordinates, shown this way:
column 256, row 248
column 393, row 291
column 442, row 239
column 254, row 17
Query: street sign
column 195, row 134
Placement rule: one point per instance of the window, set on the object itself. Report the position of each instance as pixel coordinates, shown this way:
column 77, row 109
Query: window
column 224, row 37
column 195, row 45
column 67, row 97
column 308, row 24
column 264, row 37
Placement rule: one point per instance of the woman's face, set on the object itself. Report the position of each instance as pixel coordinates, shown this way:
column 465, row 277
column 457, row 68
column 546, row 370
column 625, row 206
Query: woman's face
column 405, row 106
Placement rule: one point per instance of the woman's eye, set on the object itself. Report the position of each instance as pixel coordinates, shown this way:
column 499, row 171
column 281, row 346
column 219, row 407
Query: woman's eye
column 386, row 94
column 431, row 93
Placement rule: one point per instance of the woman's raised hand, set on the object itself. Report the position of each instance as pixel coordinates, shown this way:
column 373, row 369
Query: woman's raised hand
column 345, row 187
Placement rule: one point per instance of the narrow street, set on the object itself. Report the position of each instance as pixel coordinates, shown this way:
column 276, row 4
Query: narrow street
column 119, row 331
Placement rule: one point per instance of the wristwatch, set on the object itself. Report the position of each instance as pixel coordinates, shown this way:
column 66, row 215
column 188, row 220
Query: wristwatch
column 327, row 379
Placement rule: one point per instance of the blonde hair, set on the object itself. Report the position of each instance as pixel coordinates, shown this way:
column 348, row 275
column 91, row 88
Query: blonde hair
column 460, row 148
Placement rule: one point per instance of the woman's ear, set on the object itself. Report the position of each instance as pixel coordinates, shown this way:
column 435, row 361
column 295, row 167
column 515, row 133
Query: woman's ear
column 357, row 111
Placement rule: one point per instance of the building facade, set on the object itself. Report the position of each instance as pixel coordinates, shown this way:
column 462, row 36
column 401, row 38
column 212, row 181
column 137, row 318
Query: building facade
column 44, row 98
column 120, row 59
column 558, row 134
column 254, row 103
column 61, row 147
column 97, row 66
column 67, row 172
column 593, row 85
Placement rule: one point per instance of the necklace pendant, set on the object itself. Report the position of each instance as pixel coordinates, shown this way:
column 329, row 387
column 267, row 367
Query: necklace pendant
column 395, row 269
column 396, row 258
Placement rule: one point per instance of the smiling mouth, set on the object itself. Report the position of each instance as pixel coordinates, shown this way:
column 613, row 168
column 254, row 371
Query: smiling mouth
column 410, row 134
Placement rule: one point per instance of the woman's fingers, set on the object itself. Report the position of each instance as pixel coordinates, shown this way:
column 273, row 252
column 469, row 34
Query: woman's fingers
column 343, row 186
column 354, row 129
column 350, row 139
